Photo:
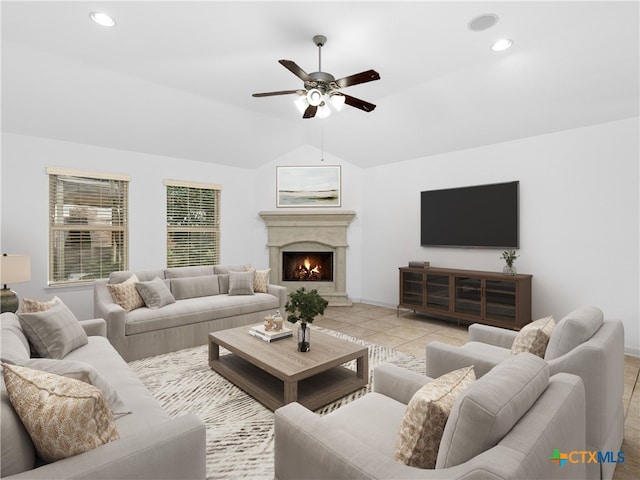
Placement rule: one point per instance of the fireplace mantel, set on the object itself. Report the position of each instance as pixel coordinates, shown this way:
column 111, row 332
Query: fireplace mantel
column 312, row 231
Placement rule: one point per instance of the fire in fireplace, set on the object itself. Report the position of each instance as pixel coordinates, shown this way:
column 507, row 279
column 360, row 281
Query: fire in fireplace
column 307, row 266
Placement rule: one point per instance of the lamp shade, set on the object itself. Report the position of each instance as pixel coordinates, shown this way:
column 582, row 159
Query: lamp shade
column 15, row 269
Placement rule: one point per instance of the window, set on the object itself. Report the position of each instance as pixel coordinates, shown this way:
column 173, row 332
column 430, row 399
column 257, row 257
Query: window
column 193, row 224
column 88, row 233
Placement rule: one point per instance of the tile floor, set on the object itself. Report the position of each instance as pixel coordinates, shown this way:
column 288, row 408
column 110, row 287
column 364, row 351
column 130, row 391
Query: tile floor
column 410, row 333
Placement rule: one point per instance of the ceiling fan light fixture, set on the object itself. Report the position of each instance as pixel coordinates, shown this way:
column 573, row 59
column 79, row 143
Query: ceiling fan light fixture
column 314, row 97
column 337, row 101
column 102, row 19
column 323, row 111
column 301, row 103
column 501, row 45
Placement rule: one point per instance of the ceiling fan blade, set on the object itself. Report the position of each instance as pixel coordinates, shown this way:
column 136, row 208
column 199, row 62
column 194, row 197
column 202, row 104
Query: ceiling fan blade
column 362, row 77
column 356, row 102
column 270, row 94
column 295, row 69
column 310, row 112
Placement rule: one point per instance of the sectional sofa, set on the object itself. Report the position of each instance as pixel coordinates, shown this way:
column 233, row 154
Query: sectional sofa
column 151, row 443
column 204, row 299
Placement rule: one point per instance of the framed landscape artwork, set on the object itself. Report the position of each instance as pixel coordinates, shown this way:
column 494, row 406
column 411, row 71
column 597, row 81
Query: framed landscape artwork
column 309, row 186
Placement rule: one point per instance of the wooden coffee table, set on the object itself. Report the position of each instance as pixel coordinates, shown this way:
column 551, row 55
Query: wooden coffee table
column 276, row 374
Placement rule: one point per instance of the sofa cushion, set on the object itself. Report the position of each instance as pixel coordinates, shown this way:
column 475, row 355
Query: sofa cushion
column 142, row 275
column 197, row 310
column 485, row 412
column 63, row 416
column 223, row 282
column 425, row 418
column 126, row 294
column 54, row 332
column 155, row 293
column 184, row 272
column 191, row 287
column 241, row 283
column 18, row 452
column 533, row 338
column 14, row 344
column 574, row 329
column 240, row 267
column 80, row 371
column 29, row 305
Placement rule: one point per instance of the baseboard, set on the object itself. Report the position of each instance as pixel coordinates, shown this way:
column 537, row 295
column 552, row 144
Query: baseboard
column 632, row 351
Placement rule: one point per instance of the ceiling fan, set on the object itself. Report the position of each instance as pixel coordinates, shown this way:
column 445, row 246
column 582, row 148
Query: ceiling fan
column 321, row 88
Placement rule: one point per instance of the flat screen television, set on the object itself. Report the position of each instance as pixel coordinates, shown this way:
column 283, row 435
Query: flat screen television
column 475, row 216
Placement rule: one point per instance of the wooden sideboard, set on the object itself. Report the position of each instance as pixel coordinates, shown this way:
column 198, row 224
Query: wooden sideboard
column 472, row 296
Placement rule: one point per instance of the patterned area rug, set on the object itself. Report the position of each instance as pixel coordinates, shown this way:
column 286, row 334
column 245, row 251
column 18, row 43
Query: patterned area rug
column 239, row 429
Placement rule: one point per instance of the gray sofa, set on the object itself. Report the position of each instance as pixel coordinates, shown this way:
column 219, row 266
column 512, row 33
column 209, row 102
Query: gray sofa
column 202, row 305
column 505, row 425
column 583, row 344
column 151, row 446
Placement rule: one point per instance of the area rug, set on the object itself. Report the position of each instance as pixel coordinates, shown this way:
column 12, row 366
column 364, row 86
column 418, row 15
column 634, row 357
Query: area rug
column 239, row 429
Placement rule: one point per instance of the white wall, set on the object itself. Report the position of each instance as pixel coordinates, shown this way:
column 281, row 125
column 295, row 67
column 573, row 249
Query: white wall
column 579, row 230
column 579, row 210
column 25, row 207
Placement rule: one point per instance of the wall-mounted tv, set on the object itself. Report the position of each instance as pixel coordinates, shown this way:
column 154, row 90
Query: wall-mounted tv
column 475, row 216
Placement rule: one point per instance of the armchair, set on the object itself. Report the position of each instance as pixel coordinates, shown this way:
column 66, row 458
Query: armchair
column 507, row 435
column 582, row 344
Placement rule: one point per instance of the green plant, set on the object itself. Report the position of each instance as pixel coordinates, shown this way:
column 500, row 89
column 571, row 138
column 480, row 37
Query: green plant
column 305, row 305
column 509, row 256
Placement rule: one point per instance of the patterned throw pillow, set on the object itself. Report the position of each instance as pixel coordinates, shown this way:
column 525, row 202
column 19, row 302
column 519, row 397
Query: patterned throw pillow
column 260, row 280
column 29, row 306
column 426, row 415
column 533, row 338
column 63, row 416
column 125, row 294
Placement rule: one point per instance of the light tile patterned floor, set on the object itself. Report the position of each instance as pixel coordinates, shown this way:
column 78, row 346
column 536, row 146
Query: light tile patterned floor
column 410, row 333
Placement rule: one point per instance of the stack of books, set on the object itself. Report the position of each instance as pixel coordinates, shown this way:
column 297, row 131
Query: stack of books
column 258, row 331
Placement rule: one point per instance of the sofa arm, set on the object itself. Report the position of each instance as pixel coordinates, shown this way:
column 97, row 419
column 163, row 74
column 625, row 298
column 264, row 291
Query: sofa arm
column 95, row 327
column 280, row 292
column 500, row 337
column 174, row 449
column 397, row 383
column 443, row 358
column 113, row 314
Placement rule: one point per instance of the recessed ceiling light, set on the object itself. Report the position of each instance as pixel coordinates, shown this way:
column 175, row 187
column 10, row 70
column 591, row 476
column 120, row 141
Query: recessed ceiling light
column 483, row 22
column 102, row 19
column 501, row 45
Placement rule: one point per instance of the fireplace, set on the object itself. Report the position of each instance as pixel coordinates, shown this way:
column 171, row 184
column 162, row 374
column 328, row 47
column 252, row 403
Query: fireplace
column 318, row 238
column 307, row 266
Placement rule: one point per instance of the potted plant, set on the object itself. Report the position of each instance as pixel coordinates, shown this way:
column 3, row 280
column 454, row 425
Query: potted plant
column 304, row 306
column 509, row 256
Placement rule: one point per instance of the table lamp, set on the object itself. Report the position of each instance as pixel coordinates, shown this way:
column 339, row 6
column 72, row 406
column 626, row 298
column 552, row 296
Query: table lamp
column 13, row 269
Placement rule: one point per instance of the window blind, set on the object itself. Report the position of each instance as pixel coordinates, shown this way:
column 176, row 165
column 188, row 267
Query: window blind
column 88, row 232
column 193, row 224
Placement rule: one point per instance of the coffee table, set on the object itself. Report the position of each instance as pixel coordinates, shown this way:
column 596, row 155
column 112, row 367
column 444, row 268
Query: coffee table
column 275, row 373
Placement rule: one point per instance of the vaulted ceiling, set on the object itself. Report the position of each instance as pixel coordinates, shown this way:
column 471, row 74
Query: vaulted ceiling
column 176, row 78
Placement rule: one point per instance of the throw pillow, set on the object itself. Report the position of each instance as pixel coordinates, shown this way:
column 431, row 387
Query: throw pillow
column 29, row 306
column 54, row 332
column 126, row 294
column 426, row 415
column 240, row 283
column 533, row 338
column 80, row 371
column 155, row 293
column 63, row 416
column 261, row 280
